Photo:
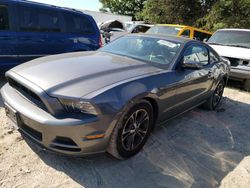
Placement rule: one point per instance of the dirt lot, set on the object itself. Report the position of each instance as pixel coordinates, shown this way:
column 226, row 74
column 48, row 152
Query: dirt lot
column 198, row 149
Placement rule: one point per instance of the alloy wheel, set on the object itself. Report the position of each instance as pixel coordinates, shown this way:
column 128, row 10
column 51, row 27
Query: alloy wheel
column 218, row 94
column 135, row 129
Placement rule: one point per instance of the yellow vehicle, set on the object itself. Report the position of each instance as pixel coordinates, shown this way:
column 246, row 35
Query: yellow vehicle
column 180, row 30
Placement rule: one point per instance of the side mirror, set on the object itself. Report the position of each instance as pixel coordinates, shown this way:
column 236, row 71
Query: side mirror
column 205, row 40
column 111, row 33
column 190, row 64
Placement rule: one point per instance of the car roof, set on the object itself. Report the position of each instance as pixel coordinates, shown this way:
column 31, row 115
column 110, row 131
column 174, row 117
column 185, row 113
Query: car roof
column 174, row 25
column 31, row 3
column 185, row 26
column 234, row 29
column 166, row 37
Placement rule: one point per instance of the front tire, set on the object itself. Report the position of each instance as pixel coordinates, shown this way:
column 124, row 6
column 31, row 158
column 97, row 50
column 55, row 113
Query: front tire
column 132, row 131
column 214, row 100
column 247, row 85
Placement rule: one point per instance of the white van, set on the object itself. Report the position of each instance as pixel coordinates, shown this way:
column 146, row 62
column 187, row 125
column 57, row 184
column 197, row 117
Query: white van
column 234, row 44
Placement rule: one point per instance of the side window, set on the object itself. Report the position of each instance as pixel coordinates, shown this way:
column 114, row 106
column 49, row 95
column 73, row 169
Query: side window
column 198, row 35
column 78, row 24
column 213, row 58
column 186, row 33
column 206, row 37
column 201, row 36
column 38, row 20
column 197, row 53
column 4, row 18
column 140, row 29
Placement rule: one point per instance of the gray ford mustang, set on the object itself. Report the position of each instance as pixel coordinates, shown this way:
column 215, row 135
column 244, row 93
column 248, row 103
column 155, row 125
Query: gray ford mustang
column 110, row 100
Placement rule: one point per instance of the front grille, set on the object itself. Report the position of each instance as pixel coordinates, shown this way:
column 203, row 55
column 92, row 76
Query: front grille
column 236, row 62
column 31, row 132
column 27, row 93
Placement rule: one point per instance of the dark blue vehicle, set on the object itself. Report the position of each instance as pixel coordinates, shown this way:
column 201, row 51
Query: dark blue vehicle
column 30, row 30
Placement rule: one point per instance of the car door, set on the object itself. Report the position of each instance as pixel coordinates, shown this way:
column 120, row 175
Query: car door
column 80, row 32
column 194, row 84
column 38, row 28
column 51, row 22
column 7, row 38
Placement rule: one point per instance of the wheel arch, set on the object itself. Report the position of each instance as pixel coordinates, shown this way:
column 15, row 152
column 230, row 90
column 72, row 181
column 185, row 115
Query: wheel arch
column 155, row 107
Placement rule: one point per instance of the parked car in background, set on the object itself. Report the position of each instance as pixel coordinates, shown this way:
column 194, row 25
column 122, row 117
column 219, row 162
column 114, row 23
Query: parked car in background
column 114, row 32
column 30, row 30
column 111, row 99
column 131, row 24
column 181, row 31
column 234, row 45
column 139, row 28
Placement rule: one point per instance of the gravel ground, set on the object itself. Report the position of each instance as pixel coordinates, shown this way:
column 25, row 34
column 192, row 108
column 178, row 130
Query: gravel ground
column 198, row 149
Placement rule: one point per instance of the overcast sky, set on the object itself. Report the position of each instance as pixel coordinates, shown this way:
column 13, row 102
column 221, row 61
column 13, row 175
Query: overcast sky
column 77, row 4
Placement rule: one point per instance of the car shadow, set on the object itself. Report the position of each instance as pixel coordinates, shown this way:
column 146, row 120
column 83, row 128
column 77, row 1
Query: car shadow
column 197, row 149
column 235, row 85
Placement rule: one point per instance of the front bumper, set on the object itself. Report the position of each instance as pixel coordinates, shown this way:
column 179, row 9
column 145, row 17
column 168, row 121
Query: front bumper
column 240, row 73
column 67, row 135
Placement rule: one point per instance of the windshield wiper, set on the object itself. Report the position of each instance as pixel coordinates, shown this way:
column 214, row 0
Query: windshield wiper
column 236, row 45
column 214, row 43
column 233, row 45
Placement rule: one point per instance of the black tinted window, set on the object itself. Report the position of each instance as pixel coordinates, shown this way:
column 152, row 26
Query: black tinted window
column 4, row 18
column 140, row 29
column 38, row 20
column 186, row 33
column 201, row 36
column 78, row 24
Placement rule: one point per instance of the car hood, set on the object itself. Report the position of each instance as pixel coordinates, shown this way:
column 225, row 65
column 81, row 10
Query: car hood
column 233, row 52
column 78, row 74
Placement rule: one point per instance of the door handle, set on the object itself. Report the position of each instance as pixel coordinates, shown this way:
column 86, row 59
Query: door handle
column 210, row 74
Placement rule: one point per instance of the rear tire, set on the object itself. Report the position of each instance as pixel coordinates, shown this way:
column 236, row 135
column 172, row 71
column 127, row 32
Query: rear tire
column 214, row 100
column 132, row 131
column 247, row 85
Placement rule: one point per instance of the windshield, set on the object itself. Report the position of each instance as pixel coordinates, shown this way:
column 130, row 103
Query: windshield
column 166, row 30
column 231, row 38
column 128, row 26
column 150, row 50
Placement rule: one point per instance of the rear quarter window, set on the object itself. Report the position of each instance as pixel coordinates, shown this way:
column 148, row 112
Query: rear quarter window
column 78, row 24
column 38, row 20
column 4, row 18
column 186, row 33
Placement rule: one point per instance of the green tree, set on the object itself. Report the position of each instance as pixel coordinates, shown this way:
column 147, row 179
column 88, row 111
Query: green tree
column 167, row 11
column 128, row 7
column 207, row 5
column 227, row 14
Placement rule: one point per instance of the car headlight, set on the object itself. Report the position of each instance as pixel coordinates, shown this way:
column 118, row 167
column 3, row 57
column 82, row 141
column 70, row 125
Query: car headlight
column 78, row 106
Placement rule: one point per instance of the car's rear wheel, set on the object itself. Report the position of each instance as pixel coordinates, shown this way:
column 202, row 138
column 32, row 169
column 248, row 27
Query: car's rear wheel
column 132, row 131
column 213, row 102
column 247, row 85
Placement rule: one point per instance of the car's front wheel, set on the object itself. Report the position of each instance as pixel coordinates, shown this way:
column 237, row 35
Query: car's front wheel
column 132, row 131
